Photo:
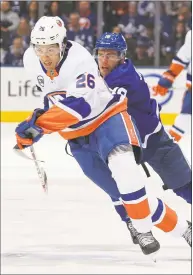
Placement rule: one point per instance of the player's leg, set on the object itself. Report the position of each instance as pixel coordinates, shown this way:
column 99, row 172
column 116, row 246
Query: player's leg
column 121, row 211
column 93, row 167
column 170, row 164
column 182, row 124
column 119, row 147
column 163, row 217
column 97, row 170
column 166, row 219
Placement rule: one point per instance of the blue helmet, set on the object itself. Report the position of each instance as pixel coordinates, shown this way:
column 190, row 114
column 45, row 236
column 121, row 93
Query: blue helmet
column 111, row 41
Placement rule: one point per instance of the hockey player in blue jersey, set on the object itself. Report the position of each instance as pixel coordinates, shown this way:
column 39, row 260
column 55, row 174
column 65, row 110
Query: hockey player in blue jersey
column 160, row 151
column 122, row 77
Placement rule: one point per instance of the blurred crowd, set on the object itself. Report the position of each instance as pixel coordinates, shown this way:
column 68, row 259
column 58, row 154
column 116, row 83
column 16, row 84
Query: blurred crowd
column 134, row 19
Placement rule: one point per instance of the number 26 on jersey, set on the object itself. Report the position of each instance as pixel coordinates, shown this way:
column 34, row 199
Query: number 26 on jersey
column 85, row 80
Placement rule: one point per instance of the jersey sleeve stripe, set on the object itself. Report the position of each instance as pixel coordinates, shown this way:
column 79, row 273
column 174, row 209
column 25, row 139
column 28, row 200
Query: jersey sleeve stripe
column 56, row 119
column 85, row 130
column 176, row 68
column 69, row 110
column 178, row 60
column 76, row 106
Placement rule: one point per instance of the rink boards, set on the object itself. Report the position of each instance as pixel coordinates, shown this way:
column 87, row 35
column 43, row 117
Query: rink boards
column 19, row 95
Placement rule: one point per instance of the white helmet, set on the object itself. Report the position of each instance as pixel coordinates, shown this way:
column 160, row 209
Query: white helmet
column 49, row 30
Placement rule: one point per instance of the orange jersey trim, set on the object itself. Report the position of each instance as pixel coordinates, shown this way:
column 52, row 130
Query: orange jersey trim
column 130, row 129
column 56, row 93
column 55, row 119
column 96, row 123
column 139, row 210
column 52, row 74
column 176, row 68
column 169, row 220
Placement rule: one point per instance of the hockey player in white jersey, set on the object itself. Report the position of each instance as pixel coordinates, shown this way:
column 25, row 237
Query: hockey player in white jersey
column 181, row 61
column 79, row 106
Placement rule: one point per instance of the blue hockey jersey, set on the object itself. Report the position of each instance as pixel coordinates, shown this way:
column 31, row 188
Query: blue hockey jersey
column 126, row 81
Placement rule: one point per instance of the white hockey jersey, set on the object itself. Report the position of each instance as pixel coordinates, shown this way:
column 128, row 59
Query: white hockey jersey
column 183, row 59
column 77, row 100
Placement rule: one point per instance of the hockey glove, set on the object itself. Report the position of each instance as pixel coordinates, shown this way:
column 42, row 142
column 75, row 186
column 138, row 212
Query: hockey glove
column 164, row 84
column 27, row 132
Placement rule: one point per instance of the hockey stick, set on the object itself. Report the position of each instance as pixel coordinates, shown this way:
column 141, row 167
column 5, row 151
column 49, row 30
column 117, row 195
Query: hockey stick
column 40, row 170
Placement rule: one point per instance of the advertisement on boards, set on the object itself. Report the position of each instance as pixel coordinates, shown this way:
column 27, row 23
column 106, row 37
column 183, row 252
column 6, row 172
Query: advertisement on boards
column 20, row 96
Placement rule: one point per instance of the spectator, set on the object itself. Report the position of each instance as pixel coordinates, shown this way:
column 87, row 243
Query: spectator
column 134, row 19
column 165, row 43
column 23, row 31
column 132, row 23
column 55, row 9
column 32, row 14
column 79, row 34
column 9, row 21
column 119, row 7
column 166, row 20
column 14, row 56
column 179, row 35
column 141, row 57
column 172, row 7
column 20, row 7
column 149, row 33
column 84, row 9
column 146, row 8
column 116, row 29
column 113, row 10
column 184, row 13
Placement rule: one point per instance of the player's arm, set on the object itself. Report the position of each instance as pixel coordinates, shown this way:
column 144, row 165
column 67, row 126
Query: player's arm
column 64, row 113
column 70, row 108
column 67, row 109
column 179, row 63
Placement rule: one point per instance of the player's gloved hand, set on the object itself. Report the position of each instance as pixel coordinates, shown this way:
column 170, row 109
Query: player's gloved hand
column 164, row 84
column 27, row 132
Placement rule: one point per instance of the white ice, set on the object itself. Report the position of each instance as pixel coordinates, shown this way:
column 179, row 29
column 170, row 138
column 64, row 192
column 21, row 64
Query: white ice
column 74, row 229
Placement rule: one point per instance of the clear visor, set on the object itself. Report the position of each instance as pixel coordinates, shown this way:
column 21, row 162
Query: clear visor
column 101, row 55
column 49, row 50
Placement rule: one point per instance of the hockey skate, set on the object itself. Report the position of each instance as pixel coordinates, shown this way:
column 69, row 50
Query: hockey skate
column 148, row 243
column 133, row 232
column 188, row 234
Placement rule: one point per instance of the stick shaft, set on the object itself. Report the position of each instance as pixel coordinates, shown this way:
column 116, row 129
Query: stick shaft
column 41, row 173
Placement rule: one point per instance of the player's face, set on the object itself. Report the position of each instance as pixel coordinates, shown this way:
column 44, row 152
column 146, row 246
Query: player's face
column 107, row 60
column 49, row 55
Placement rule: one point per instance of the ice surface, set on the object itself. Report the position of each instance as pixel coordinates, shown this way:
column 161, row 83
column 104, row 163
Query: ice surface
column 74, row 229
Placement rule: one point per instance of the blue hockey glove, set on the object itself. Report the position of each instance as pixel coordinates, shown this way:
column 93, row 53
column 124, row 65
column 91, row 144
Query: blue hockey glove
column 27, row 132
